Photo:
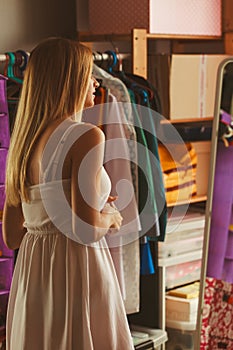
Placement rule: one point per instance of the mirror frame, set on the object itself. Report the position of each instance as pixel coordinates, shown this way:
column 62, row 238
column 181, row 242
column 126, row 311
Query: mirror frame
column 209, row 202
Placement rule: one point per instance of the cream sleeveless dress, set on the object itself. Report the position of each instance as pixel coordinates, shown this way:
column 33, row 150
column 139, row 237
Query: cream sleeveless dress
column 64, row 295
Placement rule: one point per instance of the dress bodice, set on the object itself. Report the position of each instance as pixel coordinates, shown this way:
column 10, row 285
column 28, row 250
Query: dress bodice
column 50, row 202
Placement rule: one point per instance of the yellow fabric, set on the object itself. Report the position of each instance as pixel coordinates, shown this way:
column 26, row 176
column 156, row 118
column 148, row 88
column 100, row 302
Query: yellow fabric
column 179, row 165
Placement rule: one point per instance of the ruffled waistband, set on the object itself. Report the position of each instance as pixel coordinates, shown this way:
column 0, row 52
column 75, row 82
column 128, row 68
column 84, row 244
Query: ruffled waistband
column 43, row 232
column 47, row 229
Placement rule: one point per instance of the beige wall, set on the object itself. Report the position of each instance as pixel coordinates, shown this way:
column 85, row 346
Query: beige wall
column 25, row 22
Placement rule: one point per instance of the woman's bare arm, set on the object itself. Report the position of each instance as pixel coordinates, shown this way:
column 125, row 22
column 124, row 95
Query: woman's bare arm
column 87, row 163
column 12, row 226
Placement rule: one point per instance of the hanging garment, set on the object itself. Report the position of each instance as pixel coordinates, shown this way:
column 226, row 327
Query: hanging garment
column 60, row 287
column 118, row 89
column 225, row 132
column 124, row 245
column 146, row 192
column 154, row 98
column 148, row 121
column 146, row 197
column 147, row 101
column 220, row 256
column 147, row 264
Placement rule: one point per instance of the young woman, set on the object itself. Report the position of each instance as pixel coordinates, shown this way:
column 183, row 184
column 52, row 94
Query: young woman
column 64, row 293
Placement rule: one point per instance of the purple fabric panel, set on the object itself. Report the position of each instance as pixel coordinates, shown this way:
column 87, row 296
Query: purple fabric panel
column 3, row 97
column 4, row 130
column 3, row 156
column 225, row 118
column 5, row 252
column 228, row 263
column 2, row 196
column 4, row 115
column 221, row 212
column 6, row 272
column 229, row 250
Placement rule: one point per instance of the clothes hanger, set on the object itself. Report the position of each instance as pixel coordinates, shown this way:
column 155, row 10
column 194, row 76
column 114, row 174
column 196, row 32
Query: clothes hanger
column 10, row 67
column 113, row 61
column 116, row 60
column 21, row 63
column 14, row 66
column 227, row 135
column 98, row 58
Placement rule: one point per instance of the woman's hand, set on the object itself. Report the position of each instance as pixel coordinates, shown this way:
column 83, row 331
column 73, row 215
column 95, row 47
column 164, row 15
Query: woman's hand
column 112, row 199
column 117, row 218
column 115, row 227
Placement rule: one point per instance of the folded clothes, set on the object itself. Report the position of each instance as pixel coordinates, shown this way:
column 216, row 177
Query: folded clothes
column 179, row 166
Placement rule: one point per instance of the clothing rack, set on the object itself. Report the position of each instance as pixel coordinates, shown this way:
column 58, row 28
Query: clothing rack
column 97, row 56
column 2, row 58
column 110, row 55
column 109, row 58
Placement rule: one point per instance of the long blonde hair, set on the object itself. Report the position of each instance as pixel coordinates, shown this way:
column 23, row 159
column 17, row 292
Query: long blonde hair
column 55, row 86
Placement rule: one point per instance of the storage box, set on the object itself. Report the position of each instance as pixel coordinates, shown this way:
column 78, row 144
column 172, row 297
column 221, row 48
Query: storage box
column 181, row 335
column 181, row 309
column 180, row 339
column 183, row 225
column 189, row 291
column 201, row 17
column 168, row 249
column 178, row 315
column 179, row 274
column 193, row 85
column 148, row 338
column 187, row 228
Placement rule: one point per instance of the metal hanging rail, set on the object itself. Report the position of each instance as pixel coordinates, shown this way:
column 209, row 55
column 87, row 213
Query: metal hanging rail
column 97, row 56
column 2, row 58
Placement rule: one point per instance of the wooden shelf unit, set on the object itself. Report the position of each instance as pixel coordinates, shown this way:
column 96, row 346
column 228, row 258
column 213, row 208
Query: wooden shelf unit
column 192, row 200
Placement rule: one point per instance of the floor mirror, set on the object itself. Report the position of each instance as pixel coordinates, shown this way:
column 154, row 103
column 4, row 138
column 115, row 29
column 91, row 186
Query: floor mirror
column 215, row 309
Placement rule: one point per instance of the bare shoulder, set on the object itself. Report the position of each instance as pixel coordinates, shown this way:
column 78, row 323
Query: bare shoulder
column 89, row 135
